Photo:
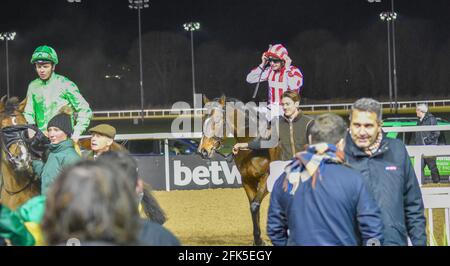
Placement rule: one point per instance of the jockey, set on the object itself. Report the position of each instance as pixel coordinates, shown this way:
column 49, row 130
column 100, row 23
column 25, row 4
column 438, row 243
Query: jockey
column 276, row 69
column 50, row 91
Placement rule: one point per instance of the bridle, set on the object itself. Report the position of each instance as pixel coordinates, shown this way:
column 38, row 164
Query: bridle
column 218, row 144
column 218, row 141
column 17, row 134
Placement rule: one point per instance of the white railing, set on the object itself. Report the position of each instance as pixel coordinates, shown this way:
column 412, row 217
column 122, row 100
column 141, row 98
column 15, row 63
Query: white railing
column 129, row 114
column 190, row 135
column 437, row 198
column 417, row 128
column 385, row 105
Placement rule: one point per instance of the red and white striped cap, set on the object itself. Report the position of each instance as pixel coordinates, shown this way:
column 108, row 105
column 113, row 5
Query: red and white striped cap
column 277, row 50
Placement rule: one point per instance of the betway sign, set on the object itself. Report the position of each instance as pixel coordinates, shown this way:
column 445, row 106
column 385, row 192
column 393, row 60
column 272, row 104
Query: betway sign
column 217, row 174
column 188, row 172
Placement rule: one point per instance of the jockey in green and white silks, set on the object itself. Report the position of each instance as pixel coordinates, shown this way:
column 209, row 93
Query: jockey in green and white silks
column 50, row 92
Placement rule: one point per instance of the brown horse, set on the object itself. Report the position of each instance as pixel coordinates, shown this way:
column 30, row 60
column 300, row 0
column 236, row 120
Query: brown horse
column 18, row 184
column 252, row 165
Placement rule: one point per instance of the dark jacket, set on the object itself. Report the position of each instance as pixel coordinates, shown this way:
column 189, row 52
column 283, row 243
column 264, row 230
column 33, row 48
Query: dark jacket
column 153, row 234
column 339, row 211
column 427, row 137
column 291, row 136
column 393, row 183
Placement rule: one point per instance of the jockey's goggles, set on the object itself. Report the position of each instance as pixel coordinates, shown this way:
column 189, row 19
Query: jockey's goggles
column 274, row 60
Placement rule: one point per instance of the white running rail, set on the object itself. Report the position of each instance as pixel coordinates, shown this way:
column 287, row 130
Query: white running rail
column 310, row 107
column 437, row 198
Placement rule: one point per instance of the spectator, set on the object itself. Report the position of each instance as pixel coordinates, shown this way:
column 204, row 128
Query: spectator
column 102, row 140
column 148, row 206
column 94, row 203
column 152, row 233
column 31, row 214
column 386, row 167
column 320, row 199
column 13, row 230
column 428, row 138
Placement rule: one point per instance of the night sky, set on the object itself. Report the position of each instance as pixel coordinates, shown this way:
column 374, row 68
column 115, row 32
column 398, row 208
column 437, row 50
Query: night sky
column 99, row 37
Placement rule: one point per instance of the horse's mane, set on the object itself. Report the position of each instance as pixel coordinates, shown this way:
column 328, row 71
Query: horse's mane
column 11, row 105
column 228, row 99
column 241, row 108
column 232, row 100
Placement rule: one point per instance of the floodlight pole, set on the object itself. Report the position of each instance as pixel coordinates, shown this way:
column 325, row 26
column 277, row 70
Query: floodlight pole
column 141, row 72
column 7, row 68
column 140, row 4
column 394, row 59
column 192, row 26
column 7, row 36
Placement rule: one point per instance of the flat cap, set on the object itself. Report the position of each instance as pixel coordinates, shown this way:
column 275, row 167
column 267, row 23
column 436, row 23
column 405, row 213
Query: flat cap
column 104, row 129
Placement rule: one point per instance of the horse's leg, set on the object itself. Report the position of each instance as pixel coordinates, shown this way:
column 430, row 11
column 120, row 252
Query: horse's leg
column 255, row 205
column 251, row 188
column 261, row 191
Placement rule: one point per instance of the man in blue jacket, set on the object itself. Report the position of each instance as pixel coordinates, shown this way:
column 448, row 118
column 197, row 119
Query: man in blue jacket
column 386, row 167
column 320, row 200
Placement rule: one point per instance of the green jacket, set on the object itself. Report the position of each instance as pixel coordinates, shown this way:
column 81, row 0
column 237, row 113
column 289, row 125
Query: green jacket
column 31, row 213
column 32, row 210
column 12, row 228
column 61, row 155
column 45, row 99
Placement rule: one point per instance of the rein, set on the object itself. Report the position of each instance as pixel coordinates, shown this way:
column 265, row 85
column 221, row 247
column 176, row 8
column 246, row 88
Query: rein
column 12, row 193
column 230, row 156
column 17, row 134
column 14, row 134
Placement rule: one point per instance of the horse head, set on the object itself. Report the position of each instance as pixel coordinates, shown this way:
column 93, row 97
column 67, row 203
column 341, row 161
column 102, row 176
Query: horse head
column 213, row 125
column 14, row 134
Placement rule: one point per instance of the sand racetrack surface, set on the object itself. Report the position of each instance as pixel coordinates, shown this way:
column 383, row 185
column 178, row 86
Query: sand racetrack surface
column 211, row 217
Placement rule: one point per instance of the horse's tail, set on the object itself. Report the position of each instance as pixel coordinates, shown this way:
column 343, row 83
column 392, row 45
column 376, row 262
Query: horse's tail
column 151, row 207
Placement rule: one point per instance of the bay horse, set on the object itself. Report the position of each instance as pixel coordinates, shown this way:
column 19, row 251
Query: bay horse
column 253, row 165
column 18, row 183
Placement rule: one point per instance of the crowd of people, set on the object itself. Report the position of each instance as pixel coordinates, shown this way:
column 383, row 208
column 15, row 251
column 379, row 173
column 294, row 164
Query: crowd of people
column 98, row 200
column 94, row 196
column 337, row 185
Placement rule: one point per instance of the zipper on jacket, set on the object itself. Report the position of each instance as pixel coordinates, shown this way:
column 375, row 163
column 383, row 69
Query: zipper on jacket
column 291, row 129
